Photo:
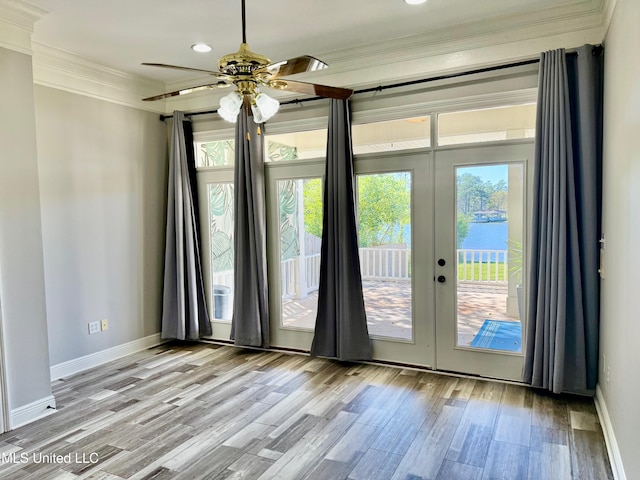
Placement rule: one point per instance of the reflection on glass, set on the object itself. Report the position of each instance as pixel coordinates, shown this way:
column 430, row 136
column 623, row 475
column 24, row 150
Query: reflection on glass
column 296, row 145
column 384, row 236
column 300, row 226
column 215, row 154
column 489, row 235
column 391, row 135
column 487, row 125
column 221, row 244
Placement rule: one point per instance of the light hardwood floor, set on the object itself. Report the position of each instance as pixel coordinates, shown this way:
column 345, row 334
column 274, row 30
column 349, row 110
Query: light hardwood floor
column 197, row 411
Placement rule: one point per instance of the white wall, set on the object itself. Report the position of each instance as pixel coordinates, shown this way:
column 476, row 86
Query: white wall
column 103, row 194
column 21, row 264
column 620, row 320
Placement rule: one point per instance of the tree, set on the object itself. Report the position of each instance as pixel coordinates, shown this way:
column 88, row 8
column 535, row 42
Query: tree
column 384, row 208
column 462, row 227
column 313, row 206
column 498, row 201
column 470, row 190
column 474, row 194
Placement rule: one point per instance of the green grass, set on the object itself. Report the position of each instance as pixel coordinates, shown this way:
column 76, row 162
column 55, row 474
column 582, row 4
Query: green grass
column 479, row 271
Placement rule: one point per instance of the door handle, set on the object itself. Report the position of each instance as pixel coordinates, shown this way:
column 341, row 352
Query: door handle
column 442, row 279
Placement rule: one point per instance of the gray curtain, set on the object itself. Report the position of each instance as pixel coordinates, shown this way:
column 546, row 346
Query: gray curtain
column 341, row 323
column 250, row 324
column 184, row 312
column 561, row 351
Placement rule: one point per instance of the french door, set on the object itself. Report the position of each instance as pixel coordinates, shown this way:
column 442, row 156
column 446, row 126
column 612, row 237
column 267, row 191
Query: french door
column 294, row 232
column 432, row 296
column 393, row 198
column 480, row 231
column 391, row 194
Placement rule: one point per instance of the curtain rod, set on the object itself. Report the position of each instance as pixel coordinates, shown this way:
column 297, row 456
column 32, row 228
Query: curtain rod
column 597, row 49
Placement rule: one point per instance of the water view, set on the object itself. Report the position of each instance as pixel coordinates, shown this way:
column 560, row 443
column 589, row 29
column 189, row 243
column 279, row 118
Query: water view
column 486, row 236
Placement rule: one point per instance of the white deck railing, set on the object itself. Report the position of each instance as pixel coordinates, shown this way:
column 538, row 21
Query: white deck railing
column 482, row 266
column 384, row 264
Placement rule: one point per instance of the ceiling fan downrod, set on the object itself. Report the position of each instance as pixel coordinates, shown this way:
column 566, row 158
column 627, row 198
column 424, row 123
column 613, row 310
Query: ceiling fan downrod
column 244, row 23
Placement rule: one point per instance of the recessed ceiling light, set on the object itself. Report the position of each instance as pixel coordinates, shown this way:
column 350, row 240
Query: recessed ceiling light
column 414, row 2
column 201, row 48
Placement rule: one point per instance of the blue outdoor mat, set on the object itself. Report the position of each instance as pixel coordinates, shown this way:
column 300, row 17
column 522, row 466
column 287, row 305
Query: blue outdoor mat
column 499, row 335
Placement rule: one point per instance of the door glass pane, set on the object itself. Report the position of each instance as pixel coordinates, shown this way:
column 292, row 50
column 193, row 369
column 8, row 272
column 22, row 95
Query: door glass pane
column 384, row 236
column 489, row 241
column 300, row 227
column 221, row 245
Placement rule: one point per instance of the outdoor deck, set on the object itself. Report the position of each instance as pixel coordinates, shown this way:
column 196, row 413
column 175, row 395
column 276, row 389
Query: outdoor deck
column 483, row 277
column 388, row 306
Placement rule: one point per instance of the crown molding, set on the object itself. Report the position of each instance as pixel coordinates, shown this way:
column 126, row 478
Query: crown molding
column 473, row 45
column 609, row 7
column 583, row 16
column 16, row 24
column 56, row 68
column 485, row 53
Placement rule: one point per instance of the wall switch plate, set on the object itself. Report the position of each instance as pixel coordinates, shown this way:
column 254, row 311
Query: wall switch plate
column 94, row 327
column 104, row 324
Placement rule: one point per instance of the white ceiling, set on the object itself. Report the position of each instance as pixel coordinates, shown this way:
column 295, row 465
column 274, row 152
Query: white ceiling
column 123, row 33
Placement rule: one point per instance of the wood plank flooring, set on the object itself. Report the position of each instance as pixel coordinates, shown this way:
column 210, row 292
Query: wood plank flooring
column 197, row 411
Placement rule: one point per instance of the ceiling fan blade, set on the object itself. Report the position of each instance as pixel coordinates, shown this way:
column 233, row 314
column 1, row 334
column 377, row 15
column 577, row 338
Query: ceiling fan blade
column 189, row 69
column 305, row 63
column 187, row 91
column 311, row 89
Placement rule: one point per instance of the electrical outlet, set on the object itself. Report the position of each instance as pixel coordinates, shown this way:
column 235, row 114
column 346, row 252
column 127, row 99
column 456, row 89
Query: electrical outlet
column 104, row 324
column 94, row 327
column 608, row 375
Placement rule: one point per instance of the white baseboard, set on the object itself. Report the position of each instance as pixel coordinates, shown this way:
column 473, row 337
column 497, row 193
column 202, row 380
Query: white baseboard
column 78, row 365
column 609, row 436
column 33, row 411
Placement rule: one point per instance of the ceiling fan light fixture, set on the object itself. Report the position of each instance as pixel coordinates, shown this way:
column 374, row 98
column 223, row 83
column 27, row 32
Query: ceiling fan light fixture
column 201, row 48
column 415, row 2
column 264, row 107
column 230, row 106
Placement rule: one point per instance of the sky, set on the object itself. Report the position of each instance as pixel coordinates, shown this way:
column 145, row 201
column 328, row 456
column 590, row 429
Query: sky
column 493, row 173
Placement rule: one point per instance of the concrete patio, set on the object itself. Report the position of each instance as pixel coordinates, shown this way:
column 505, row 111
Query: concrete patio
column 388, row 306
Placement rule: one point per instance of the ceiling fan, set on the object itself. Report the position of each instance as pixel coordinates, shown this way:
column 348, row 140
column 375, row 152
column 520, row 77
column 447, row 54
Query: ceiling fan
column 246, row 71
